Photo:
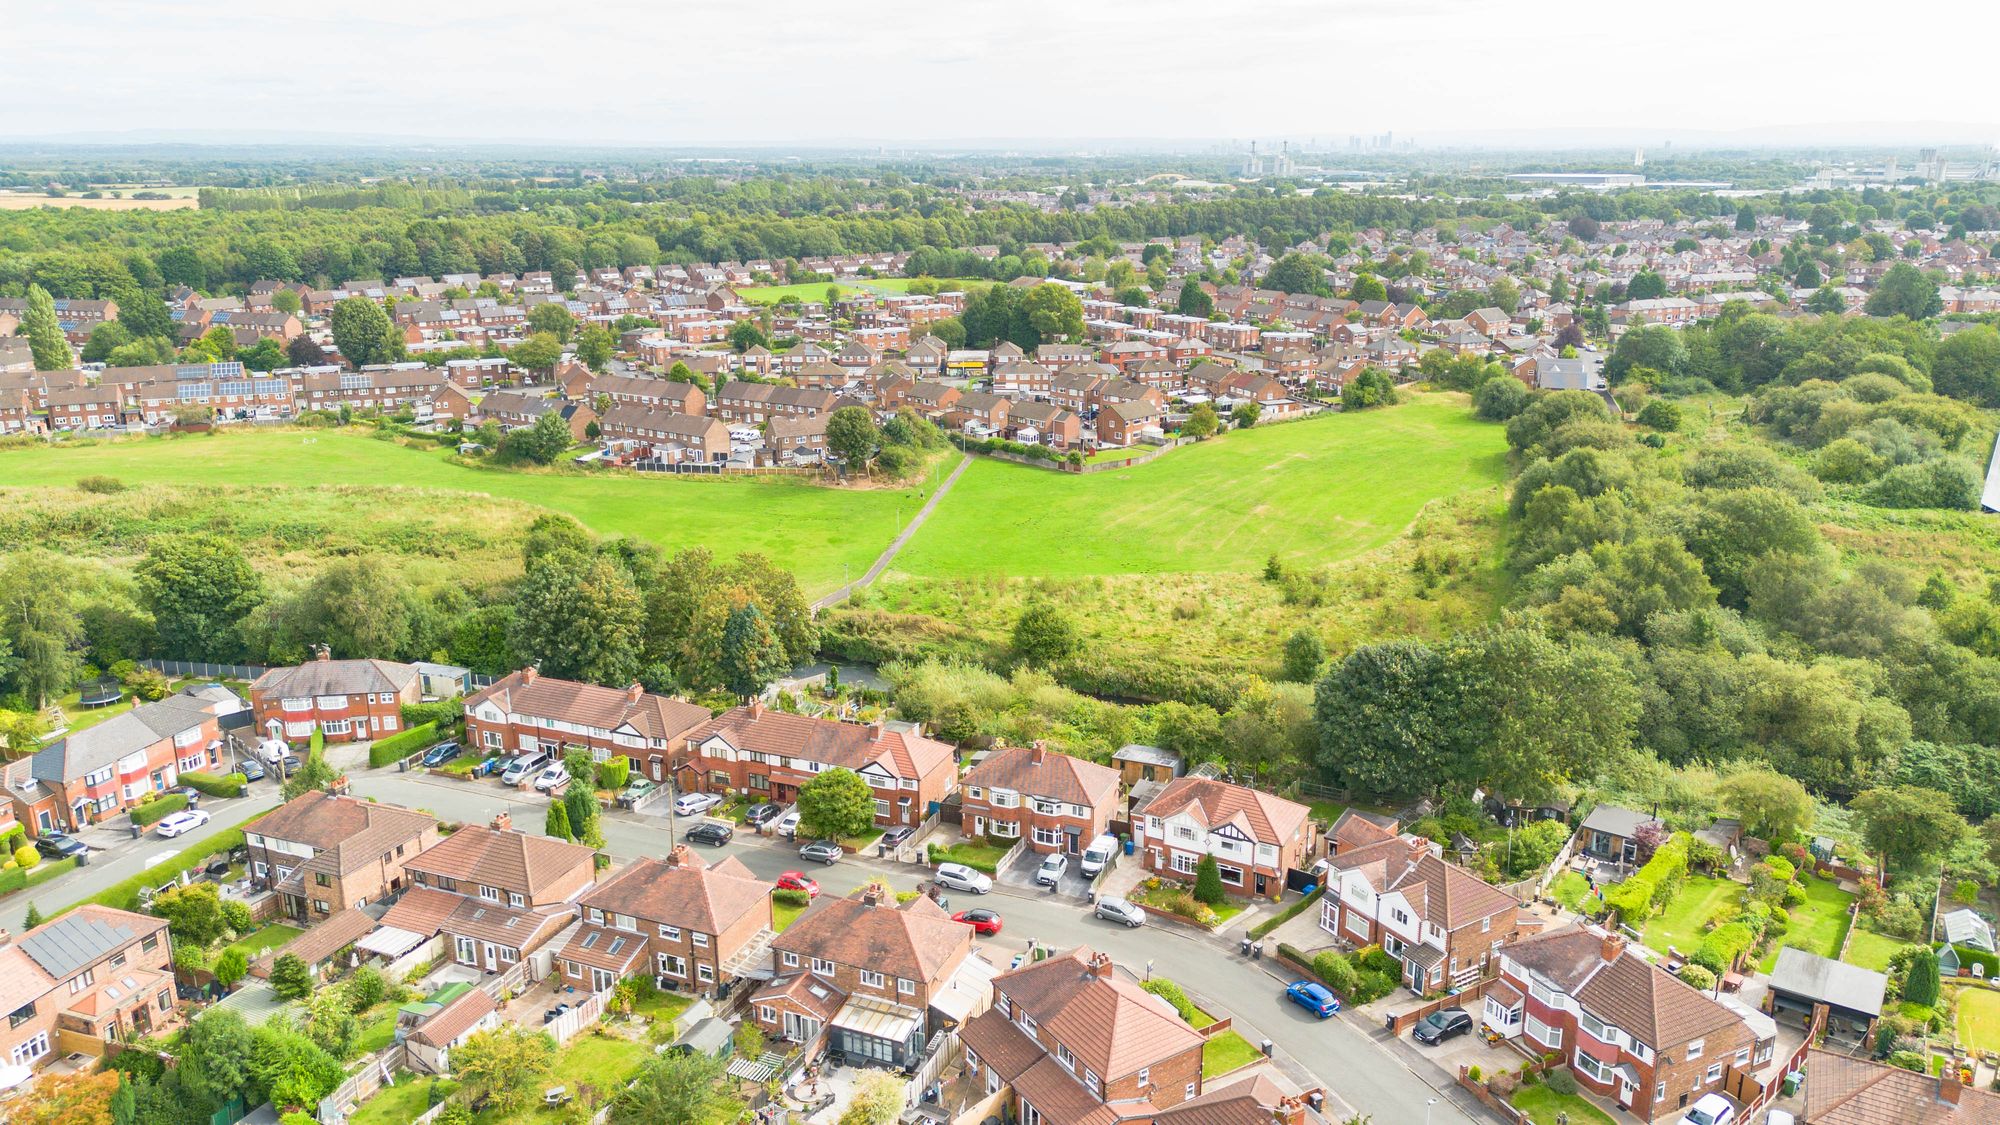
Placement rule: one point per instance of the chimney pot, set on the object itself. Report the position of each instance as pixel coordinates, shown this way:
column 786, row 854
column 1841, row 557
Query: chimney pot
column 871, row 895
column 1100, row 966
column 634, row 692
column 1038, row 752
column 1614, row 946
column 529, row 673
column 875, row 731
column 757, row 707
column 323, row 653
column 679, row 856
column 503, row 820
column 1948, row 1085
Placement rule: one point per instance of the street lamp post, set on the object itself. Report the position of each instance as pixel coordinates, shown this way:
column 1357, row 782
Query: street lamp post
column 1428, row 1106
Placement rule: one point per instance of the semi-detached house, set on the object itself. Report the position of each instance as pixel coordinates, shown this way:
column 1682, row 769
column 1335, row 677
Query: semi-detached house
column 497, row 895
column 94, row 976
column 1058, row 802
column 769, row 754
column 1444, row 923
column 324, row 854
column 528, row 712
column 689, row 925
column 347, row 700
column 94, row 773
column 1256, row 838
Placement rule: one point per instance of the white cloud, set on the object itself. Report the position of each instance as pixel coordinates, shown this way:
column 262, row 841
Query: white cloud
column 675, row 72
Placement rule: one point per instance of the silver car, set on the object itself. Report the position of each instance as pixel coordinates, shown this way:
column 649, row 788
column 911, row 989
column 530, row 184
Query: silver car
column 1118, row 910
column 959, row 877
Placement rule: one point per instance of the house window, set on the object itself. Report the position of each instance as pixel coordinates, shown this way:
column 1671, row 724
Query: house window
column 1694, row 1049
column 673, row 933
column 704, row 972
column 906, row 986
column 34, row 1048
column 700, row 939
column 1145, row 1077
column 791, row 960
column 1598, row 1070
column 1231, row 875
column 672, row 966
column 515, row 900
column 1544, row 1034
column 822, row 967
column 1184, row 863
column 871, row 979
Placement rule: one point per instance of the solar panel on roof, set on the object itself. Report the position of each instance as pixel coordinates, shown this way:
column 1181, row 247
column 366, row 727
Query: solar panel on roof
column 68, row 944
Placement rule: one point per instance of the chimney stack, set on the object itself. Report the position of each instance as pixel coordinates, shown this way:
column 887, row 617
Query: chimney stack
column 757, row 707
column 322, row 653
column 1039, row 752
column 1614, row 946
column 503, row 820
column 871, row 895
column 1948, row 1085
column 875, row 731
column 679, row 856
column 634, row 692
column 1291, row 1111
column 1099, row 966
column 528, row 674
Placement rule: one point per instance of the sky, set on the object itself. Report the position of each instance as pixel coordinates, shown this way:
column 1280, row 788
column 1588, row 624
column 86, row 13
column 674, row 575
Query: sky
column 672, row 73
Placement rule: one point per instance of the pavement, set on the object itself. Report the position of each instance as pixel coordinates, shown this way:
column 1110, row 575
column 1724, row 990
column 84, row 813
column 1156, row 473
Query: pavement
column 1352, row 1061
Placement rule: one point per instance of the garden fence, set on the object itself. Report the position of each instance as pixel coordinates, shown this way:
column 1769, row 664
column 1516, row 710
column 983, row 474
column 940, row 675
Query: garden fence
column 567, row 1026
column 202, row 670
column 376, row 1072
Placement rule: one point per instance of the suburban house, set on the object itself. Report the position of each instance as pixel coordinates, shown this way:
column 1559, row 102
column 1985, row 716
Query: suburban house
column 325, row 854
column 94, row 976
column 1611, row 834
column 1058, row 802
column 513, row 891
column 768, row 754
column 688, row 924
column 1256, row 838
column 675, row 437
column 91, row 774
column 1443, row 922
column 347, row 700
column 1042, row 423
column 1121, row 424
column 526, row 712
column 1849, row 1090
column 877, row 977
column 1630, row 1030
column 1071, row 1041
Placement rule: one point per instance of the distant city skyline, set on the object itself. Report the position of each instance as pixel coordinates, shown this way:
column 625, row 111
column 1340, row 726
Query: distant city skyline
column 1560, row 73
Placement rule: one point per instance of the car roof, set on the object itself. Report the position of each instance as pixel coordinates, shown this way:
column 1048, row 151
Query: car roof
column 1310, row 986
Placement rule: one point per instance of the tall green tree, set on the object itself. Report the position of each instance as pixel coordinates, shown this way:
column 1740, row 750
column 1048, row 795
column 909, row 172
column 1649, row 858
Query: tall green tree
column 539, row 352
column 1771, row 806
column 670, row 1089
column 1045, row 635
column 1054, row 312
column 38, row 617
column 552, row 318
column 751, row 653
column 364, row 333
column 1298, row 273
column 579, row 619
column 1905, row 291
column 852, row 435
column 1194, row 300
column 594, row 346
column 555, row 823
column 46, row 341
column 1909, row 826
column 835, row 804
column 586, row 824
column 198, row 587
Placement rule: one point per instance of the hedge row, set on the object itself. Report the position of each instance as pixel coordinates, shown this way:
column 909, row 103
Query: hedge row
column 157, row 808
column 20, row 878
column 1173, row 994
column 1287, row 914
column 1654, row 882
column 402, row 744
column 228, row 785
column 124, row 895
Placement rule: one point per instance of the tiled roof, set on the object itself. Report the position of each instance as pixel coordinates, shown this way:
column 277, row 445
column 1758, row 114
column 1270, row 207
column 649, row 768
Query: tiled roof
column 1265, row 818
column 916, row 940
column 1849, row 1091
column 1041, row 773
column 334, row 677
column 1625, row 989
column 322, row 821
column 1109, row 1023
column 508, row 859
column 1444, row 893
column 96, row 747
column 338, row 932
column 851, row 745
column 683, row 891
column 1249, row 1101
column 454, row 1019
column 653, row 716
column 421, row 910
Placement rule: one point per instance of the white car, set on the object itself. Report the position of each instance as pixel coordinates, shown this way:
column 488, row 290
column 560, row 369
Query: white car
column 788, row 825
column 1712, row 1109
column 551, row 779
column 183, row 822
column 959, row 877
column 688, row 804
column 1050, row 873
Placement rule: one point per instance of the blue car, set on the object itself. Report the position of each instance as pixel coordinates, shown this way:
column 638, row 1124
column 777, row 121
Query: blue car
column 1312, row 997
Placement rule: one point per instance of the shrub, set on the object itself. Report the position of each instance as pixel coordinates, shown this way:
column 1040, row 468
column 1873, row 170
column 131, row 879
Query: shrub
column 787, row 897
column 291, row 977
column 1719, row 951
column 1560, row 1080
column 1173, row 994
column 157, row 808
column 1697, row 976
column 1472, row 1072
column 1375, row 985
column 26, row 857
column 1921, row 985
column 236, row 915
column 614, row 772
column 1337, row 973
column 1208, row 882
column 228, row 785
column 402, row 744
column 1965, row 892
column 366, row 988
column 1908, row 1060
column 1380, row 960
column 102, row 485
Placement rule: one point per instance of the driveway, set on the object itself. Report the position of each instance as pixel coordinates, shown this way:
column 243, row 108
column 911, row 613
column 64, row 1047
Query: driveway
column 1021, row 874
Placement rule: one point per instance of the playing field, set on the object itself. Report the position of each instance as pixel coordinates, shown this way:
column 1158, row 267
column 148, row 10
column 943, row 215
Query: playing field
column 1312, row 491
column 810, row 529
column 816, row 290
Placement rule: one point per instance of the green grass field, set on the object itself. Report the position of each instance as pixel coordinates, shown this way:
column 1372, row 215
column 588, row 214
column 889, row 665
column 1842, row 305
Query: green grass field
column 1979, row 1019
column 1541, row 1104
column 816, row 290
column 1314, row 491
column 1871, row 950
column 811, row 529
column 1225, row 1052
column 1679, row 925
column 1819, row 925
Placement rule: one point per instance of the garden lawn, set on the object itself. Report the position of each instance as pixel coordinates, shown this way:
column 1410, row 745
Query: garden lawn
column 784, row 914
column 1314, row 491
column 268, row 937
column 1819, row 924
column 979, row 857
column 1979, row 1019
column 276, row 474
column 1680, row 924
column 378, row 1028
column 661, row 1006
column 1225, row 1052
column 394, row 1105
column 1871, row 950
column 78, row 717
column 1541, row 1104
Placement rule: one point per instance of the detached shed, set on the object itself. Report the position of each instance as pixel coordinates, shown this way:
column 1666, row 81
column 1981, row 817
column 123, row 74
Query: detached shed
column 1801, row 981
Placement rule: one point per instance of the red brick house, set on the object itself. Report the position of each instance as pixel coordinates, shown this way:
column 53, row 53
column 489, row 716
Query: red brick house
column 1057, row 802
column 526, row 712
column 1122, row 424
column 769, row 754
column 94, row 976
column 980, row 410
column 689, row 923
column 514, row 891
column 1630, row 1030
column 324, row 854
column 1049, row 424
column 1443, row 922
column 347, row 700
column 1255, row 837
column 91, row 774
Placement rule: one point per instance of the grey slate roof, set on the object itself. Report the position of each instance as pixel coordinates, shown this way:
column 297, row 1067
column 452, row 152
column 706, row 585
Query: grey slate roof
column 1837, row 983
column 1617, row 821
column 335, row 677
column 101, row 745
column 68, row 944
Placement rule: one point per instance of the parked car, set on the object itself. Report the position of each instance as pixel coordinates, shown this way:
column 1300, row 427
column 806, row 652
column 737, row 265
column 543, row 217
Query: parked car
column 1053, row 868
column 636, row 788
column 250, row 768
column 712, row 833
column 1118, row 910
column 1711, row 1109
column 1097, row 855
column 291, row 764
column 440, row 754
column 894, row 837
column 690, row 804
column 57, row 845
column 1440, row 1026
column 821, row 851
column 523, row 768
column 490, row 767
column 1312, row 997
column 984, row 922
column 181, row 822
column 959, row 877
column 797, row 881
column 788, row 824
column 552, row 778
column 757, row 816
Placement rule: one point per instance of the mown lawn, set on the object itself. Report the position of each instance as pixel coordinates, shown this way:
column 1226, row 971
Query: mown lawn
column 1541, row 1104
column 783, row 914
column 276, row 473
column 1979, row 1019
column 1680, row 924
column 1871, row 950
column 405, row 1101
column 1310, row 492
column 268, row 937
column 979, row 857
column 1226, row 1052
column 1818, row 925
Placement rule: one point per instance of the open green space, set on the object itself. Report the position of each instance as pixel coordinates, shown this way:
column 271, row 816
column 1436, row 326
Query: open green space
column 405, row 1101
column 1871, row 950
column 1819, row 924
column 819, row 533
column 1227, row 1051
column 1680, row 924
column 1979, row 1019
column 1313, row 491
column 1541, row 1104
column 816, row 290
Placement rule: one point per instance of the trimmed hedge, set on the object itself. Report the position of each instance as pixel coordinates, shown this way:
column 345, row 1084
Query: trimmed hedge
column 124, row 895
column 1653, row 883
column 158, row 808
column 17, row 878
column 228, row 785
column 1287, row 914
column 1722, row 946
column 1173, row 994
column 785, row 896
column 445, row 714
column 402, row 744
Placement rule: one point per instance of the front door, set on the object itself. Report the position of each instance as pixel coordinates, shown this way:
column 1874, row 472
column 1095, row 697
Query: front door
column 979, row 826
column 492, row 957
column 1260, row 885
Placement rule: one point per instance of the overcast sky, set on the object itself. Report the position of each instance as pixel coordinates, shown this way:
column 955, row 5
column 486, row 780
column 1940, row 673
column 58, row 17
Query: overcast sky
column 708, row 72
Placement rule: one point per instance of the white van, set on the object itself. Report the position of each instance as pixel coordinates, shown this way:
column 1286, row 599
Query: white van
column 1098, row 855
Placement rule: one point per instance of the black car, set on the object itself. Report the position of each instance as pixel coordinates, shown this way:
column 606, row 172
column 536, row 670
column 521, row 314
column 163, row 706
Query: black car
column 1440, row 1026
column 757, row 816
column 251, row 769
column 55, row 845
column 440, row 754
column 709, row 832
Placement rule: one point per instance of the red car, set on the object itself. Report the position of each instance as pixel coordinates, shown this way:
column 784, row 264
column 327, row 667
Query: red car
column 985, row 923
column 797, row 881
